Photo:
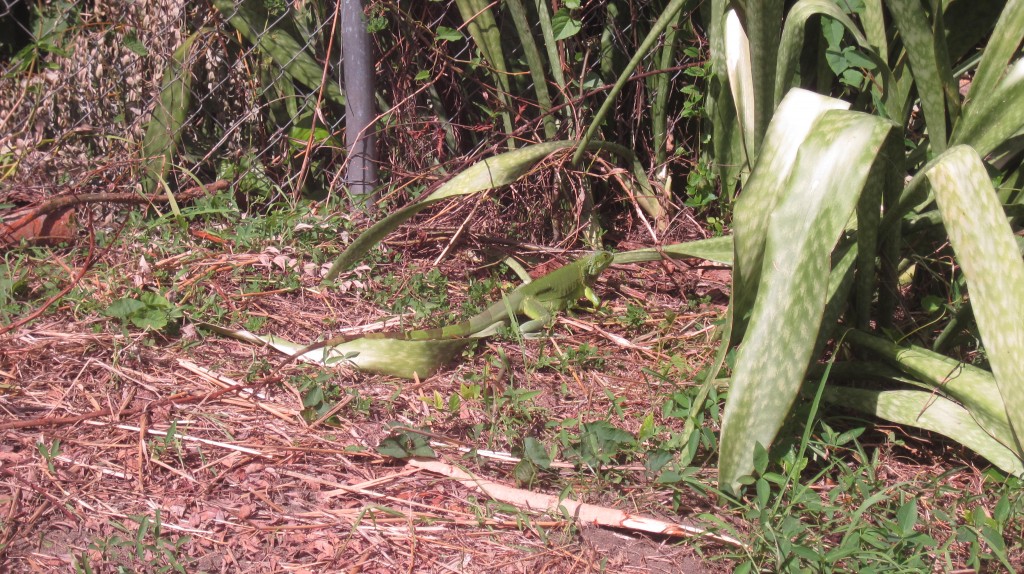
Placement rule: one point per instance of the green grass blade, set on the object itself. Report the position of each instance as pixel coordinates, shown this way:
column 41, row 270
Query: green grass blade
column 930, row 66
column 926, row 410
column 652, row 37
column 764, row 190
column 164, row 130
column 251, row 20
column 985, row 248
column 832, row 168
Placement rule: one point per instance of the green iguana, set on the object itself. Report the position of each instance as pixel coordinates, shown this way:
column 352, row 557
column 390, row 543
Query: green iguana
column 424, row 351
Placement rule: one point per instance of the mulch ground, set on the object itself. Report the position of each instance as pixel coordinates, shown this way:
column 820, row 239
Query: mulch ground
column 105, row 429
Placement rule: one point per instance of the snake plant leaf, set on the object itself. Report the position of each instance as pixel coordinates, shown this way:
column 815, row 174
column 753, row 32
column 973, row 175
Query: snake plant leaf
column 872, row 17
column 550, row 44
column 717, row 249
column 381, row 355
column 741, row 82
column 930, row 66
column 164, row 130
column 999, row 52
column 727, row 137
column 533, row 61
column 486, row 174
column 926, row 410
column 999, row 116
column 793, row 42
column 797, row 113
column 974, row 388
column 253, row 22
column 986, row 251
column 484, row 30
column 761, row 25
column 831, row 169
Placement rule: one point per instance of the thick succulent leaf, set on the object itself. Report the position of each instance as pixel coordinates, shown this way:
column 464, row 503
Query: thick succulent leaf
column 717, row 249
column 666, row 57
column 533, row 60
column 550, row 44
column 972, row 387
column 968, row 25
column 381, row 355
column 990, row 121
column 490, row 173
column 986, row 251
column 727, row 138
column 741, row 82
column 793, row 41
column 872, row 17
column 926, row 410
column 483, row 28
column 930, row 66
column 831, row 169
column 765, row 188
column 1000, row 50
column 761, row 22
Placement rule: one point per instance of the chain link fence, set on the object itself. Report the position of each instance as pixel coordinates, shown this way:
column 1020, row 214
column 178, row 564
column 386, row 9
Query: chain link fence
column 164, row 95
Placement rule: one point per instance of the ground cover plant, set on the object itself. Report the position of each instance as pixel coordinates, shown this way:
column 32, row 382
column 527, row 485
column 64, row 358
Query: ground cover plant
column 804, row 359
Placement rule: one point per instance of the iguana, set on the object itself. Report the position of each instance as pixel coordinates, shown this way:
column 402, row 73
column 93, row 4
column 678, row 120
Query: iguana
column 424, row 350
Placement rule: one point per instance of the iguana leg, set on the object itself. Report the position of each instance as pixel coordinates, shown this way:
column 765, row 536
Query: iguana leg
column 592, row 297
column 539, row 315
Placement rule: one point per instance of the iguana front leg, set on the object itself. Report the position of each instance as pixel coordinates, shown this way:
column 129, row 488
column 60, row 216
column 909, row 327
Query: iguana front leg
column 588, row 292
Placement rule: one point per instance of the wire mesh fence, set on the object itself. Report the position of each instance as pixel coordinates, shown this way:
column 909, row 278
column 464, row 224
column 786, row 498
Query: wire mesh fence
column 158, row 96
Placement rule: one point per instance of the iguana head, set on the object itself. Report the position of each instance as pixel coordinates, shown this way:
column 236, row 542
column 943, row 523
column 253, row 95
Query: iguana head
column 596, row 263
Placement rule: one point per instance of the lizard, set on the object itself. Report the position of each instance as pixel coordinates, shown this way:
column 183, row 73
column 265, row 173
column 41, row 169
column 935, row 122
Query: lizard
column 538, row 301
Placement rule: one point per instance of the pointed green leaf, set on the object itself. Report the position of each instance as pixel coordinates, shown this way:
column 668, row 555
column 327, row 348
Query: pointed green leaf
column 762, row 23
column 972, row 387
column 986, row 250
column 930, row 65
column 793, row 120
column 164, row 130
column 717, row 249
column 832, row 168
column 999, row 53
column 490, row 173
column 926, row 410
column 793, row 42
column 741, row 82
column 990, row 121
